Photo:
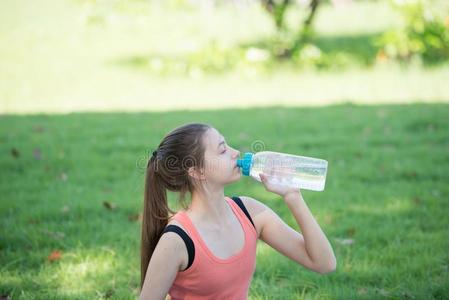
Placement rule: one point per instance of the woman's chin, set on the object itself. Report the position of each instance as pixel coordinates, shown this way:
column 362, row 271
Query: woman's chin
column 234, row 177
column 238, row 176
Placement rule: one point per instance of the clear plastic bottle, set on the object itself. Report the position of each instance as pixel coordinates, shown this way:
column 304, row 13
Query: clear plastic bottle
column 285, row 169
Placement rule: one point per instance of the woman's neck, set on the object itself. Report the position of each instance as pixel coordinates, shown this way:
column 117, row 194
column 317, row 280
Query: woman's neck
column 210, row 206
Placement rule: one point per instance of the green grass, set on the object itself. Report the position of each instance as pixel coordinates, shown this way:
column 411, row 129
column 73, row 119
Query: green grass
column 386, row 190
column 387, row 181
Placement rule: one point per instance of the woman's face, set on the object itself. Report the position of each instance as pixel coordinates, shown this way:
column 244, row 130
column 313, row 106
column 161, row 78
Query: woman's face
column 220, row 159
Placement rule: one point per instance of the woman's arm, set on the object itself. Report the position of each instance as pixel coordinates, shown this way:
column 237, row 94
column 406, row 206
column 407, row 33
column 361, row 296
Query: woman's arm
column 316, row 244
column 311, row 248
column 163, row 267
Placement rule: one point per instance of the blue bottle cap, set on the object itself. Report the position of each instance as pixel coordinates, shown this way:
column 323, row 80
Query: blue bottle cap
column 245, row 163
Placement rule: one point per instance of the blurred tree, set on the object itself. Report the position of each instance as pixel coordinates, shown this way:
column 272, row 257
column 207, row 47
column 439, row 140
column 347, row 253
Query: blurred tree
column 277, row 10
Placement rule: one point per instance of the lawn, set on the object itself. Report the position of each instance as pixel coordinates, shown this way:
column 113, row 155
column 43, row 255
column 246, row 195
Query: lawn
column 83, row 101
column 73, row 183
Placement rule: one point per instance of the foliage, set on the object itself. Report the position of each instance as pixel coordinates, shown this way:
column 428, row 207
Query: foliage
column 424, row 35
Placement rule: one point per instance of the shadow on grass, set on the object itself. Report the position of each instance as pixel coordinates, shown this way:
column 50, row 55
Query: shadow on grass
column 386, row 189
column 361, row 48
column 358, row 49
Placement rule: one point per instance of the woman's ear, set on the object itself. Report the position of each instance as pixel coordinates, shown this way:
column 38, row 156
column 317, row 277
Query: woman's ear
column 196, row 174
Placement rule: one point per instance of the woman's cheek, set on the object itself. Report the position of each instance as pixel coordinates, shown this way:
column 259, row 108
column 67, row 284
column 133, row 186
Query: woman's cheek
column 215, row 165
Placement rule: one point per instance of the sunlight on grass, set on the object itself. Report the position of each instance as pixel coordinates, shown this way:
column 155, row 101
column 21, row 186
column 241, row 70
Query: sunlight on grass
column 393, row 205
column 80, row 271
column 263, row 249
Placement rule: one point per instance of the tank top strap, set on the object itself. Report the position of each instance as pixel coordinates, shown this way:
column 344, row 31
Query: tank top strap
column 182, row 218
column 241, row 215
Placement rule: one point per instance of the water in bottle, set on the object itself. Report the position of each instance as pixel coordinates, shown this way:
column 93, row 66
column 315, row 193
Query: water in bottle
column 285, row 169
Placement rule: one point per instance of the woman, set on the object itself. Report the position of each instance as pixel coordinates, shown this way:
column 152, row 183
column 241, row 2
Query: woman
column 208, row 249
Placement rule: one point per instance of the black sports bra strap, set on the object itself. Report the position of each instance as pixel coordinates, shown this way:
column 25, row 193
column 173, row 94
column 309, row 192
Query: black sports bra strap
column 242, row 206
column 187, row 240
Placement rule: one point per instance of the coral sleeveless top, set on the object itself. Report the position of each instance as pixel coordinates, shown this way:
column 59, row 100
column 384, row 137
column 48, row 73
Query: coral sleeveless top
column 210, row 277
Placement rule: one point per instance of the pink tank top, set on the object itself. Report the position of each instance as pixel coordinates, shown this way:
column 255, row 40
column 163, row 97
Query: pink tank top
column 210, row 277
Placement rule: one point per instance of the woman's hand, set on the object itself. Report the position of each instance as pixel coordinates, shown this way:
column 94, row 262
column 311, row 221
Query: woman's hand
column 277, row 189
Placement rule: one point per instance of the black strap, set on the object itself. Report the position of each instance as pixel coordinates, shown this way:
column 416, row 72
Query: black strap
column 187, row 240
column 240, row 204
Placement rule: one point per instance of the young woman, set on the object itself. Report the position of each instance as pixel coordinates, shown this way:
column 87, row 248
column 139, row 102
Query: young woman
column 208, row 249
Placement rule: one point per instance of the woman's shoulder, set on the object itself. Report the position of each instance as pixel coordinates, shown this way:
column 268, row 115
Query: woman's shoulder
column 178, row 241
column 173, row 221
column 254, row 206
column 255, row 209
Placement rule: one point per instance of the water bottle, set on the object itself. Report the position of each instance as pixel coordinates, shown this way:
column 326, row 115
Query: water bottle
column 285, row 169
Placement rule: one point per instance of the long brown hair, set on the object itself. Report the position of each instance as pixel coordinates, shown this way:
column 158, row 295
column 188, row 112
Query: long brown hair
column 167, row 168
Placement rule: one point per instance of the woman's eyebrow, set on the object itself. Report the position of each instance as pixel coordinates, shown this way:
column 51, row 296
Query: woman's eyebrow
column 221, row 143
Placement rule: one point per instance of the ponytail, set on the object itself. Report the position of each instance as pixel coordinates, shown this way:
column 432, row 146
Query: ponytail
column 155, row 215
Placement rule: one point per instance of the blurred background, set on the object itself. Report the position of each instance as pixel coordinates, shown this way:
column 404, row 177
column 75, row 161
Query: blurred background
column 88, row 89
column 130, row 55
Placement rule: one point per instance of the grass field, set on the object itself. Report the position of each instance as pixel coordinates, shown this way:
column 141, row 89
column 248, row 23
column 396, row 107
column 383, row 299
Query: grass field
column 78, row 118
column 73, row 183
